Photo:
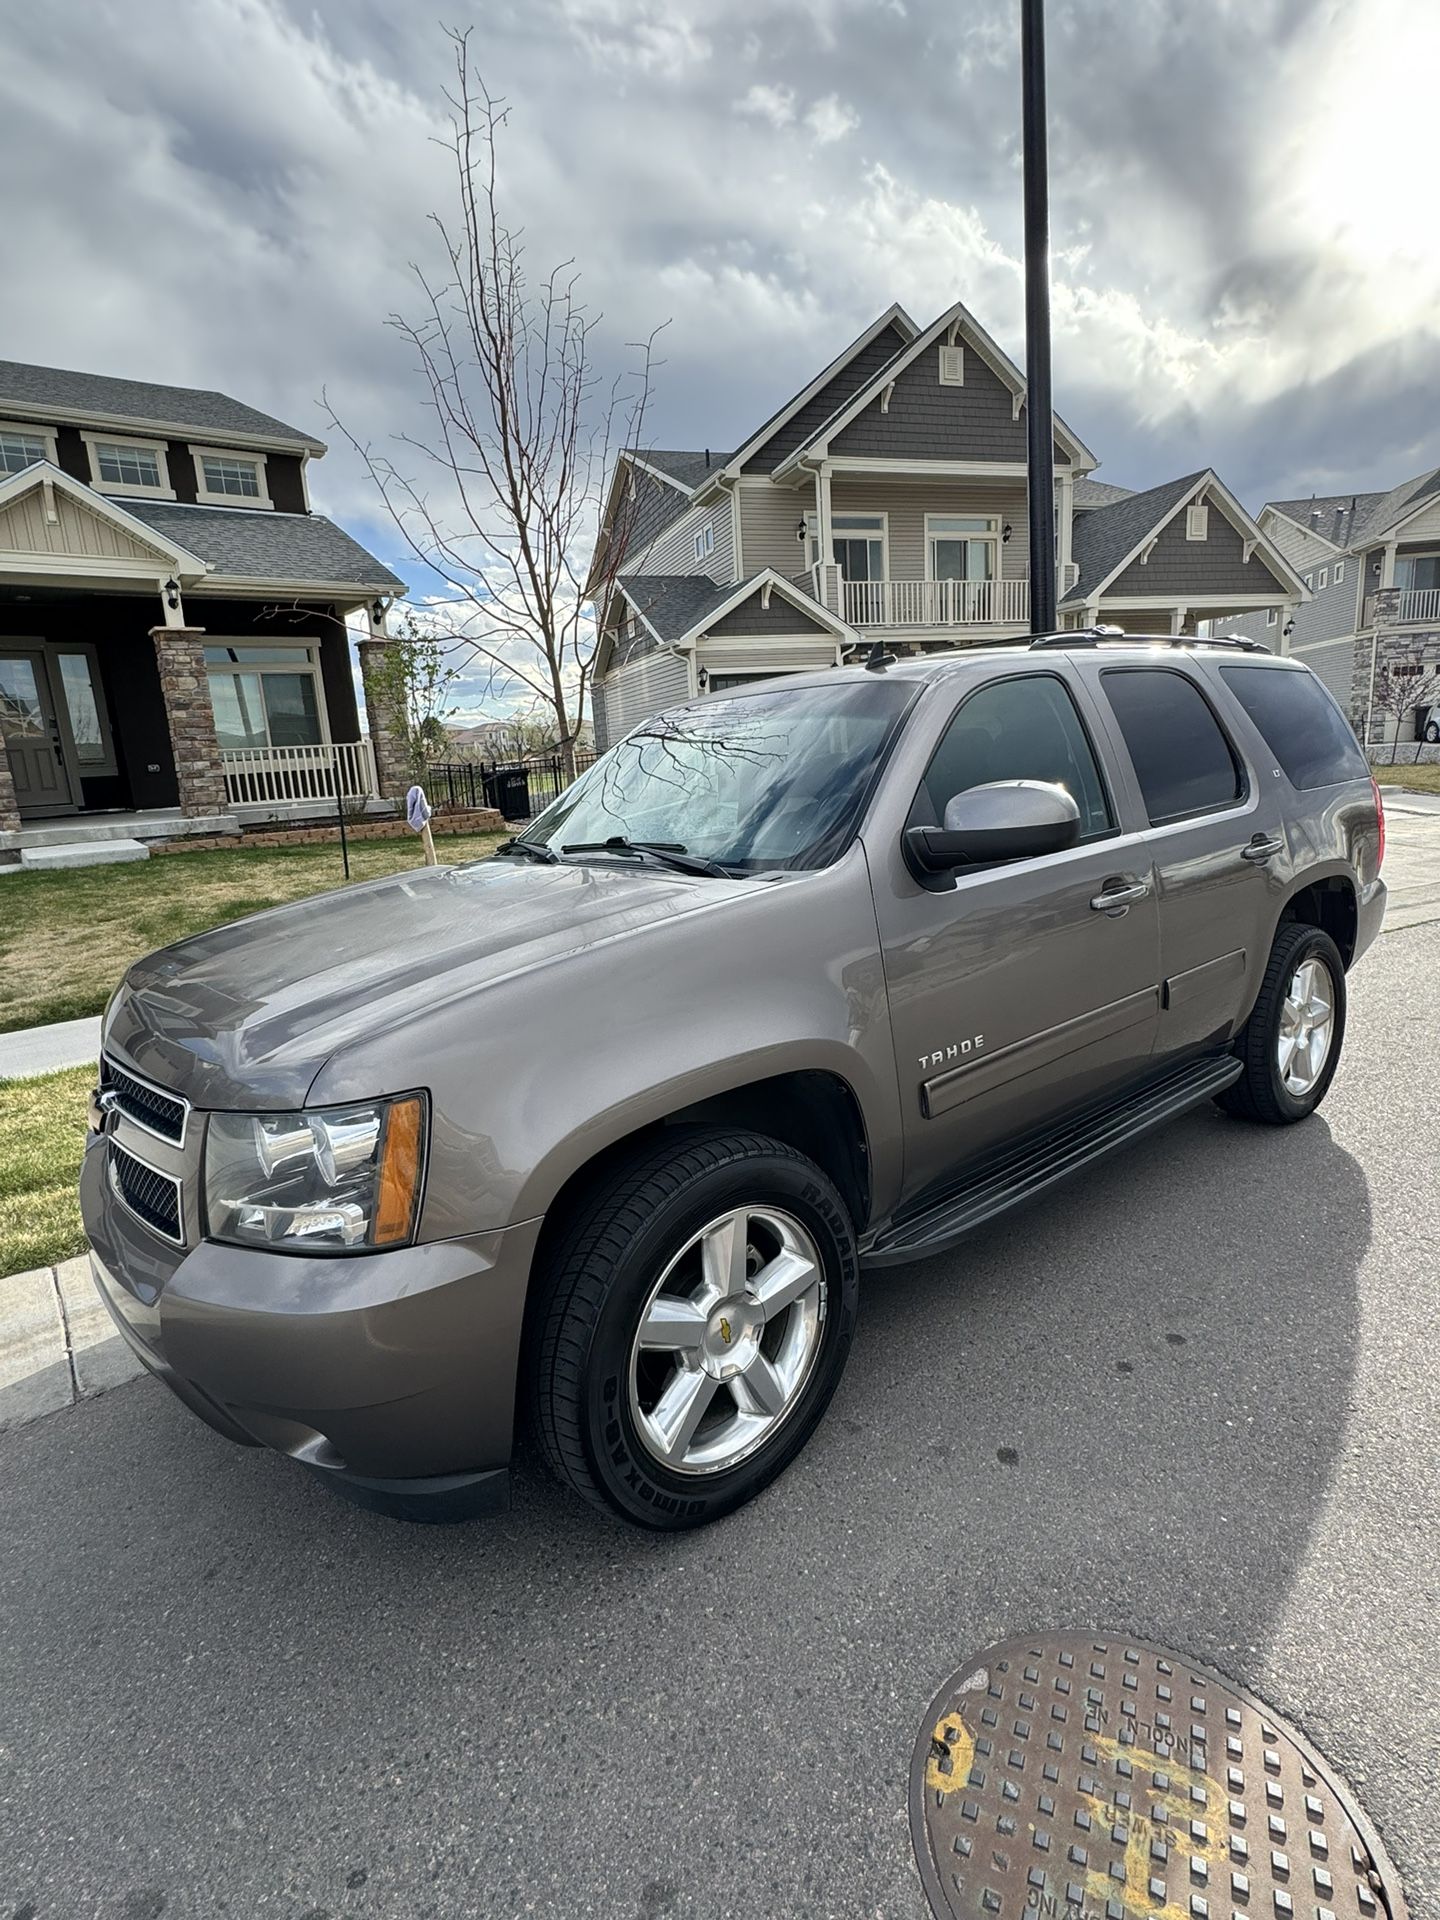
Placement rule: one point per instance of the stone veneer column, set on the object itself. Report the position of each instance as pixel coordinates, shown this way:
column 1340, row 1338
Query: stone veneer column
column 185, row 689
column 9, row 805
column 386, row 733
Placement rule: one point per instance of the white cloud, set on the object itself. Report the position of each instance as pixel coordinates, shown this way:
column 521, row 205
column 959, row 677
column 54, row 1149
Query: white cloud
column 775, row 104
column 831, row 119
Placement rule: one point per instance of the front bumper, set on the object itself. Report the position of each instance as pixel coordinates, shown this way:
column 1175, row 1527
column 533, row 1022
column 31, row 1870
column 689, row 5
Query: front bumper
column 392, row 1375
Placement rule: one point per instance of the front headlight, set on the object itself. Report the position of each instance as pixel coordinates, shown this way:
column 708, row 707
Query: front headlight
column 338, row 1179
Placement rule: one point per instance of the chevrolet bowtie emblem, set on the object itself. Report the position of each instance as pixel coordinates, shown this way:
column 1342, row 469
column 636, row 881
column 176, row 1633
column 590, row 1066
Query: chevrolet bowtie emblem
column 725, row 1331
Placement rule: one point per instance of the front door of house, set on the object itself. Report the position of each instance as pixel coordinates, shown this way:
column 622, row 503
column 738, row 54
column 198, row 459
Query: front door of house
column 30, row 735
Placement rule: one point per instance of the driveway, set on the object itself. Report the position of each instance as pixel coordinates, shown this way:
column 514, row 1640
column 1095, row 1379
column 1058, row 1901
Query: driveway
column 1193, row 1396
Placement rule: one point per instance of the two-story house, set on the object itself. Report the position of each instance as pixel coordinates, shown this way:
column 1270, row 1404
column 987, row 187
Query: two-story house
column 1371, row 566
column 173, row 646
column 888, row 498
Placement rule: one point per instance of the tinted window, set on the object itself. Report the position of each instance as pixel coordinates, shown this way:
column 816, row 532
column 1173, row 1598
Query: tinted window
column 1303, row 727
column 1182, row 760
column 1025, row 729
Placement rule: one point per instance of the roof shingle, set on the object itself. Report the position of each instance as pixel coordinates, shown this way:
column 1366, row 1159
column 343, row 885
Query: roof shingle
column 266, row 546
column 31, row 388
column 1105, row 536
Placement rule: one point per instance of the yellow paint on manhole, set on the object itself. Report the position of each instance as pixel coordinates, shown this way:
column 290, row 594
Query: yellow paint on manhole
column 1093, row 1778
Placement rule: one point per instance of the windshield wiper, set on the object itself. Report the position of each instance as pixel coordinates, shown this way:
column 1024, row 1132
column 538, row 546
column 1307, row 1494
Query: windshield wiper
column 527, row 850
column 669, row 853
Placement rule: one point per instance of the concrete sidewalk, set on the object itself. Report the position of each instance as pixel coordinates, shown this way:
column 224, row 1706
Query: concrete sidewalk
column 68, row 1043
column 58, row 1343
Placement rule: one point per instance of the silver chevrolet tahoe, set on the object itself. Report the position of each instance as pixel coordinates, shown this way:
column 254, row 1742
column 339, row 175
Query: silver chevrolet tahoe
column 801, row 980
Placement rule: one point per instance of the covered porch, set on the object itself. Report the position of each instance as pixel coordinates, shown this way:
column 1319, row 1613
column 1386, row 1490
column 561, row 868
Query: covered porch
column 133, row 682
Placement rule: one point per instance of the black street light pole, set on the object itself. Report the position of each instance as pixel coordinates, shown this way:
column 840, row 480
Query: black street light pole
column 1039, row 411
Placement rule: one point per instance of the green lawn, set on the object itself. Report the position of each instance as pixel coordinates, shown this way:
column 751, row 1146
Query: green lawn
column 66, row 937
column 42, row 1135
column 1422, row 779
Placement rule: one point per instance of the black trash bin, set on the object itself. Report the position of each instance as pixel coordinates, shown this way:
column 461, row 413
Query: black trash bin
column 508, row 788
column 1425, row 717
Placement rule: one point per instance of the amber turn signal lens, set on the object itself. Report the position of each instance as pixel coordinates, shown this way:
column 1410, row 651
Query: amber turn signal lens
column 399, row 1172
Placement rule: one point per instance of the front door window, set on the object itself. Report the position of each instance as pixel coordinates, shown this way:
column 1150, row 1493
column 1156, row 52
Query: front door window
column 857, row 544
column 962, row 546
column 1417, row 571
column 85, row 709
column 30, row 737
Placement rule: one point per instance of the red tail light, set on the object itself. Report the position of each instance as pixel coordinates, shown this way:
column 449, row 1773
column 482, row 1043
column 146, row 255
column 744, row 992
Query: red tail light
column 1379, row 821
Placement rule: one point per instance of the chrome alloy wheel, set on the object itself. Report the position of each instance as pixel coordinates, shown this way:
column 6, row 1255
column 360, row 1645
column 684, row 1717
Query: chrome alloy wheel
column 728, row 1340
column 1307, row 1027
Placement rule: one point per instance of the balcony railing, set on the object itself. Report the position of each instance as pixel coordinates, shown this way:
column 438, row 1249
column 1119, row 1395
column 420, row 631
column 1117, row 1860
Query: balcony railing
column 337, row 770
column 937, row 603
column 1410, row 606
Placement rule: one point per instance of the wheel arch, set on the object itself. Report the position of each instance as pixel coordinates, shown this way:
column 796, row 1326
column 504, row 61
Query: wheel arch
column 1331, row 903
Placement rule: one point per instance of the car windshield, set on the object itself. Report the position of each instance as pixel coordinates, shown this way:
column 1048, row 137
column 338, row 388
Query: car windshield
column 749, row 781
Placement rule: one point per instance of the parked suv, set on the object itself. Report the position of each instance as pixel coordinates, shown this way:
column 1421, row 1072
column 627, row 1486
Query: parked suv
column 797, row 981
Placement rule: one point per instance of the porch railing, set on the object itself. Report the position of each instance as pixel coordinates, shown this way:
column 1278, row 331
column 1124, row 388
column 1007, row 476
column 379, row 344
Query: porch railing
column 937, row 603
column 337, row 770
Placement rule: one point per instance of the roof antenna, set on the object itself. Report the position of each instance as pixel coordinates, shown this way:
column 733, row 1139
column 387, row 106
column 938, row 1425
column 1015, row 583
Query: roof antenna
column 707, row 459
column 880, row 658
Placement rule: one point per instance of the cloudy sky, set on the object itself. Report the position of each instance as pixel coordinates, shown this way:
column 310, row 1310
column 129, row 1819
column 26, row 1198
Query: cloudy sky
column 228, row 193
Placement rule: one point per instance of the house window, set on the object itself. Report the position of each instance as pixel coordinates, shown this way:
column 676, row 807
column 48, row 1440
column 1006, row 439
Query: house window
column 1417, row 571
column 858, row 541
column 21, row 447
column 1322, row 579
column 225, row 478
column 1309, row 583
column 705, row 541
column 1339, row 571
column 1271, row 616
column 1197, row 521
column 952, row 366
column 961, row 546
column 265, row 696
column 129, row 466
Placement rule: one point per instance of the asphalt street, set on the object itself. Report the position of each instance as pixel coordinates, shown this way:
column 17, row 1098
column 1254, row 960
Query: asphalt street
column 1193, row 1395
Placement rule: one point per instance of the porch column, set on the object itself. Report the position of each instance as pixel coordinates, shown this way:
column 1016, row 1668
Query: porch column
column 185, row 689
column 1177, row 619
column 9, row 806
column 1066, row 502
column 387, row 730
column 826, row 539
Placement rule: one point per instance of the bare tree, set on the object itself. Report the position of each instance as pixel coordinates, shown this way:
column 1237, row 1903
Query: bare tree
column 1400, row 687
column 523, row 431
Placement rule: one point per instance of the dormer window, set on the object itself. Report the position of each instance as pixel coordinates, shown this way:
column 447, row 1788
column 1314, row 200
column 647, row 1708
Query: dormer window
column 21, row 447
column 128, row 466
column 705, row 541
column 1197, row 521
column 230, row 479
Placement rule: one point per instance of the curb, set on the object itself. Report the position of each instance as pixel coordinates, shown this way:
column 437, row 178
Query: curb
column 58, row 1343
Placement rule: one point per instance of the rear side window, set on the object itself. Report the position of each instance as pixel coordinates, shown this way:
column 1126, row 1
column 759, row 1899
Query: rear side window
column 1183, row 761
column 1302, row 726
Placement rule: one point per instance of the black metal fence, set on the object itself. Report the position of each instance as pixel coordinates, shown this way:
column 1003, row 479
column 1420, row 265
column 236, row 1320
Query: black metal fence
column 519, row 788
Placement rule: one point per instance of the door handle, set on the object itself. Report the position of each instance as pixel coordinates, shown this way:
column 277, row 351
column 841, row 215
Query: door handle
column 1119, row 899
column 1262, row 849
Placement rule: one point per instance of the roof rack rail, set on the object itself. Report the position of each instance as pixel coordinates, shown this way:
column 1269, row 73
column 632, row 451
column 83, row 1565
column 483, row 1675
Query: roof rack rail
column 1116, row 636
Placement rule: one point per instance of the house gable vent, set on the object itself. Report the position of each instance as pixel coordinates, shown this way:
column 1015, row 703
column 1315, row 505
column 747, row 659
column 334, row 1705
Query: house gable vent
column 1197, row 521
column 952, row 366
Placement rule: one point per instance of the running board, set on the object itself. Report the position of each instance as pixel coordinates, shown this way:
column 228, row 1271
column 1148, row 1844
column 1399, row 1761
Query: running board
column 1028, row 1166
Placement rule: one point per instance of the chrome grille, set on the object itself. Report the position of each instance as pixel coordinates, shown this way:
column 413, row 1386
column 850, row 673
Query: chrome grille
column 153, row 1197
column 163, row 1114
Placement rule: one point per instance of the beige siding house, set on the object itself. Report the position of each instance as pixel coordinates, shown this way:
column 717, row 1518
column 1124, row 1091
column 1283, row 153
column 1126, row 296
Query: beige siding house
column 887, row 499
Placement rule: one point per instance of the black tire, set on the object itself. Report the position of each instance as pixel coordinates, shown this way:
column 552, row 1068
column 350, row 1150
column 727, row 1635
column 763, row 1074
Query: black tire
column 1260, row 1093
column 597, row 1282
column 1432, row 731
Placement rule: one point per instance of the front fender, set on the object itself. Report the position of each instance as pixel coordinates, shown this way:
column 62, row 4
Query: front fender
column 536, row 1074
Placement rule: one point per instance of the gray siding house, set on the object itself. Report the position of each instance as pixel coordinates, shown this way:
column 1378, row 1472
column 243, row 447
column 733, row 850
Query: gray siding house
column 1371, row 567
column 888, row 498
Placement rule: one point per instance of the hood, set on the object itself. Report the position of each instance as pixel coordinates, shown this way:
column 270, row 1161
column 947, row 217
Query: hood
column 245, row 1016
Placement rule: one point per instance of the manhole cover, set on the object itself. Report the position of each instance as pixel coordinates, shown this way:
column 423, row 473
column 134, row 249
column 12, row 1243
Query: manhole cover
column 1111, row 1780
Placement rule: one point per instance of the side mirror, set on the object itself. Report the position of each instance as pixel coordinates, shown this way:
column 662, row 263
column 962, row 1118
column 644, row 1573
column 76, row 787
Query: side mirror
column 1003, row 820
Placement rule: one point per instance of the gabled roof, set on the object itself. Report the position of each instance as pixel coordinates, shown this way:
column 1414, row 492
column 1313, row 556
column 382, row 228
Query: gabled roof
column 283, row 548
column 685, row 468
column 1098, row 493
column 58, row 394
column 174, row 551
column 1105, row 540
column 678, row 607
column 893, row 316
column 1351, row 520
column 959, row 317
